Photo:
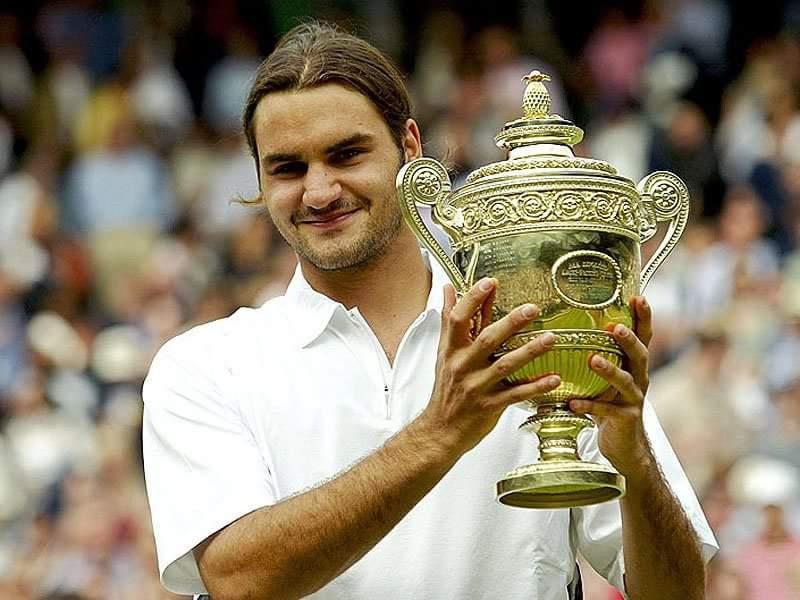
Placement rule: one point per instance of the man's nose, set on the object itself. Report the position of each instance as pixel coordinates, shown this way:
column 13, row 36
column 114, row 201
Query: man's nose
column 321, row 187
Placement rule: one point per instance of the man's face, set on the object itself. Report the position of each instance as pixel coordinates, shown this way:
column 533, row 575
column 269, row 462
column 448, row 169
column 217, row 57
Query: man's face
column 328, row 166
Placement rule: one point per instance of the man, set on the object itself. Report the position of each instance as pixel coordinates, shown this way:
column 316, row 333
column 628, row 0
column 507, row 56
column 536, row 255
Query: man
column 343, row 440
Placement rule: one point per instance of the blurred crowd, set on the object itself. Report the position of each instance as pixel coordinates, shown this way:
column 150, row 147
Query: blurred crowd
column 121, row 160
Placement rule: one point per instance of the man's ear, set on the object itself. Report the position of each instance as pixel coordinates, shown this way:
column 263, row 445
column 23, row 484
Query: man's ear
column 412, row 141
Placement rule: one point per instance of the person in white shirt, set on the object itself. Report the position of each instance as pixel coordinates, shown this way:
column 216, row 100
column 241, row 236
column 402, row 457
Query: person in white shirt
column 342, row 441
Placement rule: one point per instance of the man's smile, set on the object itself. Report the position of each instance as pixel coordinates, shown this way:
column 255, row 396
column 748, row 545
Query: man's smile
column 329, row 220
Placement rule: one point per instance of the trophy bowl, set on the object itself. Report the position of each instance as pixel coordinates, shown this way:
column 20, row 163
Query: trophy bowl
column 562, row 232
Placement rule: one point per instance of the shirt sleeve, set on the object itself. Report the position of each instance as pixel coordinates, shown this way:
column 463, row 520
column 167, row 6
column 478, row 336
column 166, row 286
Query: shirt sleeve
column 597, row 530
column 203, row 468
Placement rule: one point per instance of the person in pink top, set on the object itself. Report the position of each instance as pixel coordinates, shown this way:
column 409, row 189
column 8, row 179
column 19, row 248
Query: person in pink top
column 770, row 564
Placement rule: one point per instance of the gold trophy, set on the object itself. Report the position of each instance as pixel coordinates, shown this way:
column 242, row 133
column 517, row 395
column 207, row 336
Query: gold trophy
column 562, row 232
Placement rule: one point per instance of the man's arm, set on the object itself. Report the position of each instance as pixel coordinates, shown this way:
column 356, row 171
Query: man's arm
column 662, row 552
column 298, row 545
column 295, row 547
column 661, row 549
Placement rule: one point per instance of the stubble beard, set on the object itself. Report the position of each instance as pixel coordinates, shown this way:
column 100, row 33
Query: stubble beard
column 355, row 255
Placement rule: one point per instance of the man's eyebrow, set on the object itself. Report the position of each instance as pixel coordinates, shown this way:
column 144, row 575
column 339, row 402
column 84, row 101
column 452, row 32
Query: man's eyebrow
column 283, row 157
column 355, row 139
column 271, row 159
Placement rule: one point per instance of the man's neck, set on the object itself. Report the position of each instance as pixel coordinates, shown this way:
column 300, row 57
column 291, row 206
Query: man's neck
column 390, row 291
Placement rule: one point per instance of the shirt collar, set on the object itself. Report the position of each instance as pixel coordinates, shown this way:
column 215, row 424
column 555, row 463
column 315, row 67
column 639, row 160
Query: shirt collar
column 310, row 312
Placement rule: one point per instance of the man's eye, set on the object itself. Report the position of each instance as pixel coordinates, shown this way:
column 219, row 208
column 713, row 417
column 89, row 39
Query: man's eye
column 348, row 154
column 293, row 168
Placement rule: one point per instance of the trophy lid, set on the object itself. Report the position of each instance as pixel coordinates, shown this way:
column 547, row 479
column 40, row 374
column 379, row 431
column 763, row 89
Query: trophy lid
column 539, row 139
column 538, row 126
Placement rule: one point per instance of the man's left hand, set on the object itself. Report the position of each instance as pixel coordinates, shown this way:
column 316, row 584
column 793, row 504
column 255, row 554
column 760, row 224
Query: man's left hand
column 618, row 411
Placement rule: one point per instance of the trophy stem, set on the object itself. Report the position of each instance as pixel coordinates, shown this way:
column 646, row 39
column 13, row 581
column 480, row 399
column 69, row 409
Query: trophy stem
column 560, row 479
column 557, row 428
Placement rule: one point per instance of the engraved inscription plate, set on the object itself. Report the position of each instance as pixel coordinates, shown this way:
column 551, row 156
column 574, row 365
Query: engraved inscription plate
column 587, row 279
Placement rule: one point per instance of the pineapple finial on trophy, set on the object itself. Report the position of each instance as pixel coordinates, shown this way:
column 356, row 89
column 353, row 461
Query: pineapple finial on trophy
column 537, row 130
column 536, row 102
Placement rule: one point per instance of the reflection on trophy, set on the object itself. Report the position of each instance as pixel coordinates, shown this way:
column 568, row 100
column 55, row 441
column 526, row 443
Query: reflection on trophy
column 564, row 233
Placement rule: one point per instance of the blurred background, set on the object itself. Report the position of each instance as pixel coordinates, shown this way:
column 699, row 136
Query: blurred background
column 120, row 153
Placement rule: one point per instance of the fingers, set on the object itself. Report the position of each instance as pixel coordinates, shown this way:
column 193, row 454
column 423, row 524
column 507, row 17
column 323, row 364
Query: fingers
column 634, row 345
column 642, row 319
column 508, row 363
column 449, row 298
column 622, row 381
column 609, row 395
column 460, row 317
column 527, row 391
column 486, row 310
column 495, row 334
column 449, row 301
column 636, row 353
column 596, row 408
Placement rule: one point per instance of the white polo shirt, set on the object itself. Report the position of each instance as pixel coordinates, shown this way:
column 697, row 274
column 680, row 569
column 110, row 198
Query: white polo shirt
column 248, row 410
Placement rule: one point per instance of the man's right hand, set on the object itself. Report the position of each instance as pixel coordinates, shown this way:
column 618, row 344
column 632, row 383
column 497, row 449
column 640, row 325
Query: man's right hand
column 470, row 393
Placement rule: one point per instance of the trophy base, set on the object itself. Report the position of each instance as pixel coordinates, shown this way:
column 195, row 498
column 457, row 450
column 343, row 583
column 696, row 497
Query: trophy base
column 560, row 484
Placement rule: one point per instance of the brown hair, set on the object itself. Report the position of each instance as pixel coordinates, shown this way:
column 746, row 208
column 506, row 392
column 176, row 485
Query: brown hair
column 316, row 53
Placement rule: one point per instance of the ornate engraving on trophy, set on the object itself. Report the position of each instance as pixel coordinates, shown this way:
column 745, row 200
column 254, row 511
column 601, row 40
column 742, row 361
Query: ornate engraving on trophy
column 587, row 279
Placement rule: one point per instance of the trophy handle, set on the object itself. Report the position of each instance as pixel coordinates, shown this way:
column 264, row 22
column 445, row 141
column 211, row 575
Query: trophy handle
column 425, row 181
column 664, row 197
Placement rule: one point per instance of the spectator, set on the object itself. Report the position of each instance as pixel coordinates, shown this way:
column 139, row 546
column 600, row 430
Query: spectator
column 120, row 197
